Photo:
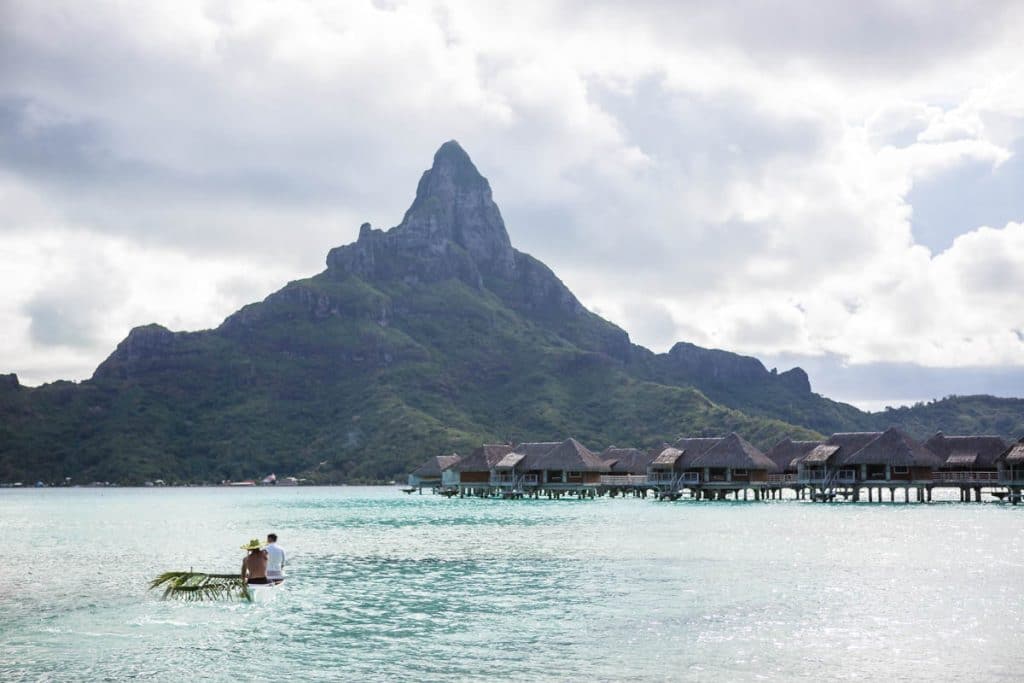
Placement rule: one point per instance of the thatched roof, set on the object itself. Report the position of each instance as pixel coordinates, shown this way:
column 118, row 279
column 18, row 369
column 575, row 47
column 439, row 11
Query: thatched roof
column 893, row 447
column 837, row 447
column 736, row 453
column 509, row 461
column 434, row 466
column 626, row 460
column 534, row 451
column 667, row 458
column 569, row 455
column 819, row 454
column 694, row 446
column 787, row 452
column 961, row 451
column 850, row 442
column 535, row 448
column 483, row 458
column 1014, row 455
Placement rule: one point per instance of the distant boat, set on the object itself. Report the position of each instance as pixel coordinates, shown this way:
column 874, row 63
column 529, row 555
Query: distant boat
column 248, row 482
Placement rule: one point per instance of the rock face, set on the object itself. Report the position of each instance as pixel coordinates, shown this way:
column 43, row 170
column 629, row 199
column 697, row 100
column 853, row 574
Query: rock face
column 454, row 230
column 9, row 382
column 796, row 379
column 454, row 202
column 143, row 346
column 743, row 382
column 711, row 367
column 715, row 366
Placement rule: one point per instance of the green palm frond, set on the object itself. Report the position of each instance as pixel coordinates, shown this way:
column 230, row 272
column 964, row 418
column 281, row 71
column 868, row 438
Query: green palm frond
column 198, row 586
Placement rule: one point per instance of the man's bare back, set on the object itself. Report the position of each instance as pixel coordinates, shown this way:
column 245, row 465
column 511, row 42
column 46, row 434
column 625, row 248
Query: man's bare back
column 254, row 567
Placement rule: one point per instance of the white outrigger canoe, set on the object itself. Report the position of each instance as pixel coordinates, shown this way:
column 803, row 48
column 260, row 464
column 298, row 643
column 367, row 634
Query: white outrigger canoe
column 262, row 593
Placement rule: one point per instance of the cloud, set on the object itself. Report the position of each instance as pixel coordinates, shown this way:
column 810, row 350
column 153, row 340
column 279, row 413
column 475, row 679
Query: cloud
column 881, row 38
column 68, row 310
column 955, row 201
column 78, row 293
column 873, row 386
column 770, row 178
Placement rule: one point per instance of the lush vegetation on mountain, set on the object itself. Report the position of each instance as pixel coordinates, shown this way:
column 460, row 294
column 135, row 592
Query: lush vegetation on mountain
column 958, row 415
column 452, row 368
column 432, row 337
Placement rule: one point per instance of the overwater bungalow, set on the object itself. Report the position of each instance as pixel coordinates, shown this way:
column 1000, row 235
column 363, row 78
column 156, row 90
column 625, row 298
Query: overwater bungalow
column 969, row 459
column 786, row 455
column 820, row 464
column 665, row 471
column 626, row 461
column 507, row 473
column 627, row 470
column 1011, row 465
column 719, row 467
column 474, row 470
column 692, row 447
column 892, row 456
column 431, row 473
column 733, row 462
column 517, row 469
column 569, row 465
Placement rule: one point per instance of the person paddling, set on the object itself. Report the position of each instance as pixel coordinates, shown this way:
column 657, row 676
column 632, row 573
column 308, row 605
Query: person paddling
column 254, row 565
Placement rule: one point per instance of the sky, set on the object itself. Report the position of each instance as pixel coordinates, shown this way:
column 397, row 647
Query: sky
column 834, row 185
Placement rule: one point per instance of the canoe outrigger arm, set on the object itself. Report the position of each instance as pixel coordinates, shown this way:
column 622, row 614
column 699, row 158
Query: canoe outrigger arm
column 199, row 586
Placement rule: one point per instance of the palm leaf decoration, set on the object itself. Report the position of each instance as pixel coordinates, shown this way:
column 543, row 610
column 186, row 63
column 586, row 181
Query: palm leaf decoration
column 199, row 587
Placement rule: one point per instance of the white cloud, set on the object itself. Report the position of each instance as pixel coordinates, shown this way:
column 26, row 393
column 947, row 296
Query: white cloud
column 74, row 294
column 735, row 176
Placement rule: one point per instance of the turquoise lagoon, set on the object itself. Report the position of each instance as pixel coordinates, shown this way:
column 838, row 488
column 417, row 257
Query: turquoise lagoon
column 386, row 587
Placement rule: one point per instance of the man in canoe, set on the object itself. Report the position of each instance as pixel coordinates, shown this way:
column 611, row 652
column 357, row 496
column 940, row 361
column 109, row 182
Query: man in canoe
column 275, row 559
column 254, row 566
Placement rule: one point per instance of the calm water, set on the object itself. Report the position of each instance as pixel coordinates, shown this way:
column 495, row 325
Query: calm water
column 385, row 586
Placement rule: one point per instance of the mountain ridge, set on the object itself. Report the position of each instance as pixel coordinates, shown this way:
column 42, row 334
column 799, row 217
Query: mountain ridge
column 434, row 335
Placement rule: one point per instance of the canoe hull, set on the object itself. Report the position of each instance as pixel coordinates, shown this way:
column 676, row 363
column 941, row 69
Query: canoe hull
column 264, row 593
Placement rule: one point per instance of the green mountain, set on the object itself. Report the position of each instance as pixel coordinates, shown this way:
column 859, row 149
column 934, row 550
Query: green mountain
column 433, row 336
column 959, row 415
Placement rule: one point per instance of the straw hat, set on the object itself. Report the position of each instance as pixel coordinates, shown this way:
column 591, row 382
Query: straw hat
column 253, row 544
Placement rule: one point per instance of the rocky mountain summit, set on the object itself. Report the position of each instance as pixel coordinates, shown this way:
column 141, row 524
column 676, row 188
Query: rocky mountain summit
column 452, row 229
column 455, row 230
